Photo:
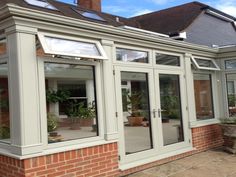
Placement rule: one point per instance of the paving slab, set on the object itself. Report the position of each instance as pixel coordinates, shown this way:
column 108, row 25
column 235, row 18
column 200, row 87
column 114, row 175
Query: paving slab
column 212, row 163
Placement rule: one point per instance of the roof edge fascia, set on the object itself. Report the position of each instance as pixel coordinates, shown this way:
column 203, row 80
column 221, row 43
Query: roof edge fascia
column 15, row 10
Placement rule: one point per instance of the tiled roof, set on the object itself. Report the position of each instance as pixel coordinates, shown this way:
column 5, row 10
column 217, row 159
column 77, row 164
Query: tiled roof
column 167, row 21
column 67, row 10
column 175, row 19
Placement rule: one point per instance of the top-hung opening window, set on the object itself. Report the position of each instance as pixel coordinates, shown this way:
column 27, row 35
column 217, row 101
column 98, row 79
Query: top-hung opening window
column 205, row 64
column 72, row 47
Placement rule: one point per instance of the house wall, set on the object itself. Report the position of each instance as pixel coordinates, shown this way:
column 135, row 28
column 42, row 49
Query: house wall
column 209, row 30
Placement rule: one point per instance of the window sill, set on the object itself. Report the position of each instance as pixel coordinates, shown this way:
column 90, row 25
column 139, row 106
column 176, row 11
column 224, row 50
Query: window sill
column 202, row 123
column 5, row 150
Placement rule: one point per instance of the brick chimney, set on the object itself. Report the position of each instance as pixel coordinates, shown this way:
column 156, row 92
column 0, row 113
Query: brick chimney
column 90, row 4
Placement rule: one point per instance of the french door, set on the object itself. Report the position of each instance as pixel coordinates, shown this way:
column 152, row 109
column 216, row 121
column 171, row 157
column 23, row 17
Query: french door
column 151, row 110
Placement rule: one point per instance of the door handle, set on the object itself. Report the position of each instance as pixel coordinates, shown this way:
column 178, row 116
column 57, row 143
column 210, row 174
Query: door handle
column 159, row 113
column 154, row 113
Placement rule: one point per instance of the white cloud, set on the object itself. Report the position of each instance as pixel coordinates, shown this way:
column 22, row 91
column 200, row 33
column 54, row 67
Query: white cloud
column 159, row 1
column 130, row 11
column 231, row 10
column 114, row 9
column 228, row 6
column 141, row 12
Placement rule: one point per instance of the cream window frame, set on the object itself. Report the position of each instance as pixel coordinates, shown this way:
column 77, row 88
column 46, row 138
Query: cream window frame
column 195, row 63
column 136, row 48
column 47, row 50
column 77, row 143
column 215, row 102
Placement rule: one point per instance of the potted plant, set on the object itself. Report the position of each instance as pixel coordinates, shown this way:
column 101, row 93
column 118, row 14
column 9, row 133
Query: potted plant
column 52, row 122
column 134, row 101
column 228, row 126
column 80, row 114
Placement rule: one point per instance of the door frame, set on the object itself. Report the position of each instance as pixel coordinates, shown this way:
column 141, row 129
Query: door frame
column 184, row 107
column 156, row 124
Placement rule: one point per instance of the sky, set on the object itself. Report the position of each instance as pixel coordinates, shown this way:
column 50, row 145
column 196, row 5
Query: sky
column 129, row 8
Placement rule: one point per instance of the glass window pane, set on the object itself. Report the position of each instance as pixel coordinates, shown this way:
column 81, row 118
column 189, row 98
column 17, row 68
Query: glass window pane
column 89, row 15
column 41, row 3
column 4, row 104
column 171, row 60
column 171, row 110
column 231, row 93
column 230, row 64
column 71, row 102
column 3, row 46
column 70, row 47
column 205, row 63
column 136, row 112
column 203, row 96
column 128, row 55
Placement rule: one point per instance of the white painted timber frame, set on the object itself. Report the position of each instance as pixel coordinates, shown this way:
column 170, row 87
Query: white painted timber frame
column 47, row 49
column 225, row 71
column 216, row 97
column 152, row 70
column 194, row 60
column 99, row 103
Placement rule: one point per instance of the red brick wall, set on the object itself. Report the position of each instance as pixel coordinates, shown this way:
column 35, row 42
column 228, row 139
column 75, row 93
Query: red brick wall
column 207, row 137
column 99, row 161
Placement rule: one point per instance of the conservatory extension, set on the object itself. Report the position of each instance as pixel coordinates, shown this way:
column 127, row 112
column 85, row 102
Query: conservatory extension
column 110, row 101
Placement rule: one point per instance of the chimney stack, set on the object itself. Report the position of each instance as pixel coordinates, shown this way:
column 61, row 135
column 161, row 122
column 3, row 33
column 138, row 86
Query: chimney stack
column 90, row 4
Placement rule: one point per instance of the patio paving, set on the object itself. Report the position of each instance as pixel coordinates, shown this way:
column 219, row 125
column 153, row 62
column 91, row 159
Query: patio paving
column 212, row 163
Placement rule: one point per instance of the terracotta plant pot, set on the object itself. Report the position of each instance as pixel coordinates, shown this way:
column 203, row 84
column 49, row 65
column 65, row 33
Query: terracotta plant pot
column 135, row 121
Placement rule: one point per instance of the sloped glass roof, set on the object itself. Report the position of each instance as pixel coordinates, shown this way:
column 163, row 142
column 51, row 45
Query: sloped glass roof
column 90, row 15
column 41, row 3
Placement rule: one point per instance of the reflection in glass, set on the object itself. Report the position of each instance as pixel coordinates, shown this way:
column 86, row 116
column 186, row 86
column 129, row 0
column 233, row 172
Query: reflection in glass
column 205, row 63
column 203, row 96
column 171, row 60
column 41, row 3
column 89, row 15
column 71, row 47
column 171, row 111
column 128, row 55
column 4, row 104
column 230, row 64
column 71, row 102
column 231, row 93
column 3, row 46
column 136, row 112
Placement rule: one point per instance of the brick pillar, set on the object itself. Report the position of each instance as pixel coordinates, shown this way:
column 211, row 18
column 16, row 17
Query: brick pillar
column 207, row 137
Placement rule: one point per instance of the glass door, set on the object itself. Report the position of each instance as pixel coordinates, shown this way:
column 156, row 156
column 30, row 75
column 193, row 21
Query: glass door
column 134, row 89
column 151, row 112
column 172, row 109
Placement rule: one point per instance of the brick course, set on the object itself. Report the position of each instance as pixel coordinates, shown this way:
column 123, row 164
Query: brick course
column 207, row 137
column 93, row 161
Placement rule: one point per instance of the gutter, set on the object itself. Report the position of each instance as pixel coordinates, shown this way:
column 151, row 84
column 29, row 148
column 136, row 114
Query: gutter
column 219, row 15
column 144, row 31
